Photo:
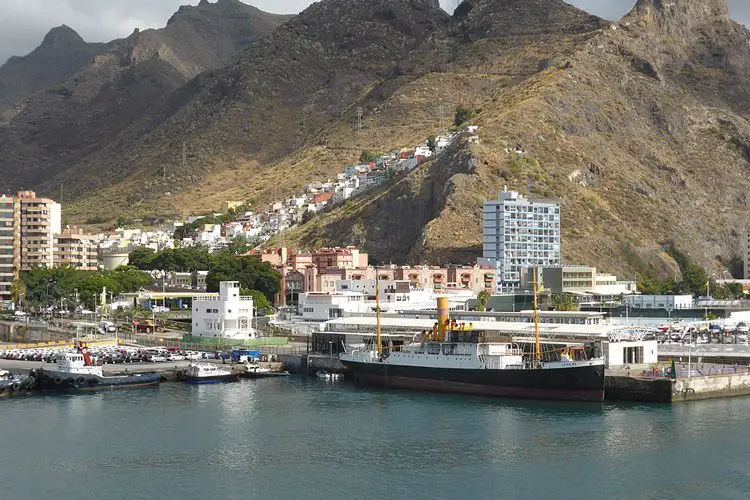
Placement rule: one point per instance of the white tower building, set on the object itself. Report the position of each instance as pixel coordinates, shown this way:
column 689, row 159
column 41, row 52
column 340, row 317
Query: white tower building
column 229, row 316
column 520, row 233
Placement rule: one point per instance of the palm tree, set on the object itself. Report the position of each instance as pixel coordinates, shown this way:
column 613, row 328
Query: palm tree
column 18, row 292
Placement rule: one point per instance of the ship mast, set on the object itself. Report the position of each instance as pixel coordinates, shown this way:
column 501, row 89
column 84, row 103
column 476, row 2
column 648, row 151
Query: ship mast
column 536, row 321
column 377, row 309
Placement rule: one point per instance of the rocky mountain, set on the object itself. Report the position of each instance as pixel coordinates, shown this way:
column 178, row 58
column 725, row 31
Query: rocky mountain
column 61, row 54
column 130, row 82
column 639, row 127
column 641, row 132
column 287, row 97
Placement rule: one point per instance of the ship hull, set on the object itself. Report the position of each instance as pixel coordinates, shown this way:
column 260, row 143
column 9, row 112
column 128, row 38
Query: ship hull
column 19, row 386
column 584, row 383
column 216, row 379
column 52, row 381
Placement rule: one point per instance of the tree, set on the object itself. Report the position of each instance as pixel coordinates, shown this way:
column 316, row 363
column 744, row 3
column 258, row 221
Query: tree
column 483, row 298
column 238, row 246
column 48, row 286
column 260, row 301
column 367, row 157
column 18, row 292
column 431, row 143
column 463, row 115
column 248, row 270
column 307, row 216
column 564, row 302
column 141, row 258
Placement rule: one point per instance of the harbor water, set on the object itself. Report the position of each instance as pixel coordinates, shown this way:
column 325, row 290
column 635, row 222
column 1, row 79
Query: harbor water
column 297, row 437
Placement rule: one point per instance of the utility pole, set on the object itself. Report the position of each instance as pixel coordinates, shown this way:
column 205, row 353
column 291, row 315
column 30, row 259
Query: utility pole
column 360, row 112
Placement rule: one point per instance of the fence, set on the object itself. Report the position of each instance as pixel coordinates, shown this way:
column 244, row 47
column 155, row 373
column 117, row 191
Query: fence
column 187, row 345
column 696, row 371
column 675, row 350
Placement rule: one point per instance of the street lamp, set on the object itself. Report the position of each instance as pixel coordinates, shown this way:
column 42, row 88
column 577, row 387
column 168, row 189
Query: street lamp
column 46, row 304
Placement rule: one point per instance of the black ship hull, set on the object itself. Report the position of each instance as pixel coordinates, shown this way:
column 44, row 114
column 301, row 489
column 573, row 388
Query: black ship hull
column 584, row 383
column 20, row 385
column 53, row 381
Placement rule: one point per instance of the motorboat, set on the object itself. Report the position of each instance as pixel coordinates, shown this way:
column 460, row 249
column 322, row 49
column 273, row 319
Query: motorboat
column 207, row 373
column 328, row 376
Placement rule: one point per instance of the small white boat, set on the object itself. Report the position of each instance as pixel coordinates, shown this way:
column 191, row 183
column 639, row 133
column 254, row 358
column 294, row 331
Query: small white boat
column 206, row 373
column 256, row 368
column 328, row 376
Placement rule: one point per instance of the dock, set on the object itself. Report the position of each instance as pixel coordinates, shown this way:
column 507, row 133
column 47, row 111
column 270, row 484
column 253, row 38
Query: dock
column 707, row 382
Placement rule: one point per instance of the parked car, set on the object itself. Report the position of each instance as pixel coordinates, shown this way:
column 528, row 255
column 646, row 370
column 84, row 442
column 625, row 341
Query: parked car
column 156, row 358
column 743, row 328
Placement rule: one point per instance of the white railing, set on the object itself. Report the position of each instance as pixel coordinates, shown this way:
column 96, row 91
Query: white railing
column 741, row 350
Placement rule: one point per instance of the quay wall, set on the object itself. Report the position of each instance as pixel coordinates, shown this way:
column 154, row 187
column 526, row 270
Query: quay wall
column 310, row 364
column 711, row 386
column 627, row 388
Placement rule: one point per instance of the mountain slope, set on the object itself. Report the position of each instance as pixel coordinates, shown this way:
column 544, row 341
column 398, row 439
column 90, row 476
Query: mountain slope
column 241, row 122
column 642, row 133
column 61, row 54
column 129, row 83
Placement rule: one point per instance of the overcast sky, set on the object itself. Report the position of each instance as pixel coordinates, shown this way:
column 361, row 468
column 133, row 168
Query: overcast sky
column 25, row 22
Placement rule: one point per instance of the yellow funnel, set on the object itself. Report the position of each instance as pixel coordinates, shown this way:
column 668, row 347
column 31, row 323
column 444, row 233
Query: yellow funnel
column 443, row 314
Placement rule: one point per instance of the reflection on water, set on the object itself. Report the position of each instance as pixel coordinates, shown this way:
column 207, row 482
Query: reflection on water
column 296, row 437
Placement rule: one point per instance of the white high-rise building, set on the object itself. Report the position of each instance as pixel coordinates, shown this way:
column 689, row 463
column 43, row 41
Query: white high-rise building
column 520, row 233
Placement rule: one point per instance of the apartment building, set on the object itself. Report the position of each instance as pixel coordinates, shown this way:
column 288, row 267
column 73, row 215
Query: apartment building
column 39, row 222
column 576, row 279
column 75, row 249
column 518, row 233
column 322, row 259
column 9, row 250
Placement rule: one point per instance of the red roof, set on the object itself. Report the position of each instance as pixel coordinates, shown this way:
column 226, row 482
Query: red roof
column 320, row 198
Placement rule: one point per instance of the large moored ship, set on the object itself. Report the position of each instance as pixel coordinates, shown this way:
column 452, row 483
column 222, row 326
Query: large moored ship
column 455, row 358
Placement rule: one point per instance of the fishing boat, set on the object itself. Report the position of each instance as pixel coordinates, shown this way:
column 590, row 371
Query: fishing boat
column 75, row 372
column 206, row 373
column 458, row 359
column 14, row 385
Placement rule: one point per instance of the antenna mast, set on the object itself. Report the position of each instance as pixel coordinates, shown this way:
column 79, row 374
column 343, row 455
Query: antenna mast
column 377, row 309
column 536, row 322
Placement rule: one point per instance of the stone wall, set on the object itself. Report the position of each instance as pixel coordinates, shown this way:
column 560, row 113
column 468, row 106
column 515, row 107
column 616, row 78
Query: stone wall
column 714, row 386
